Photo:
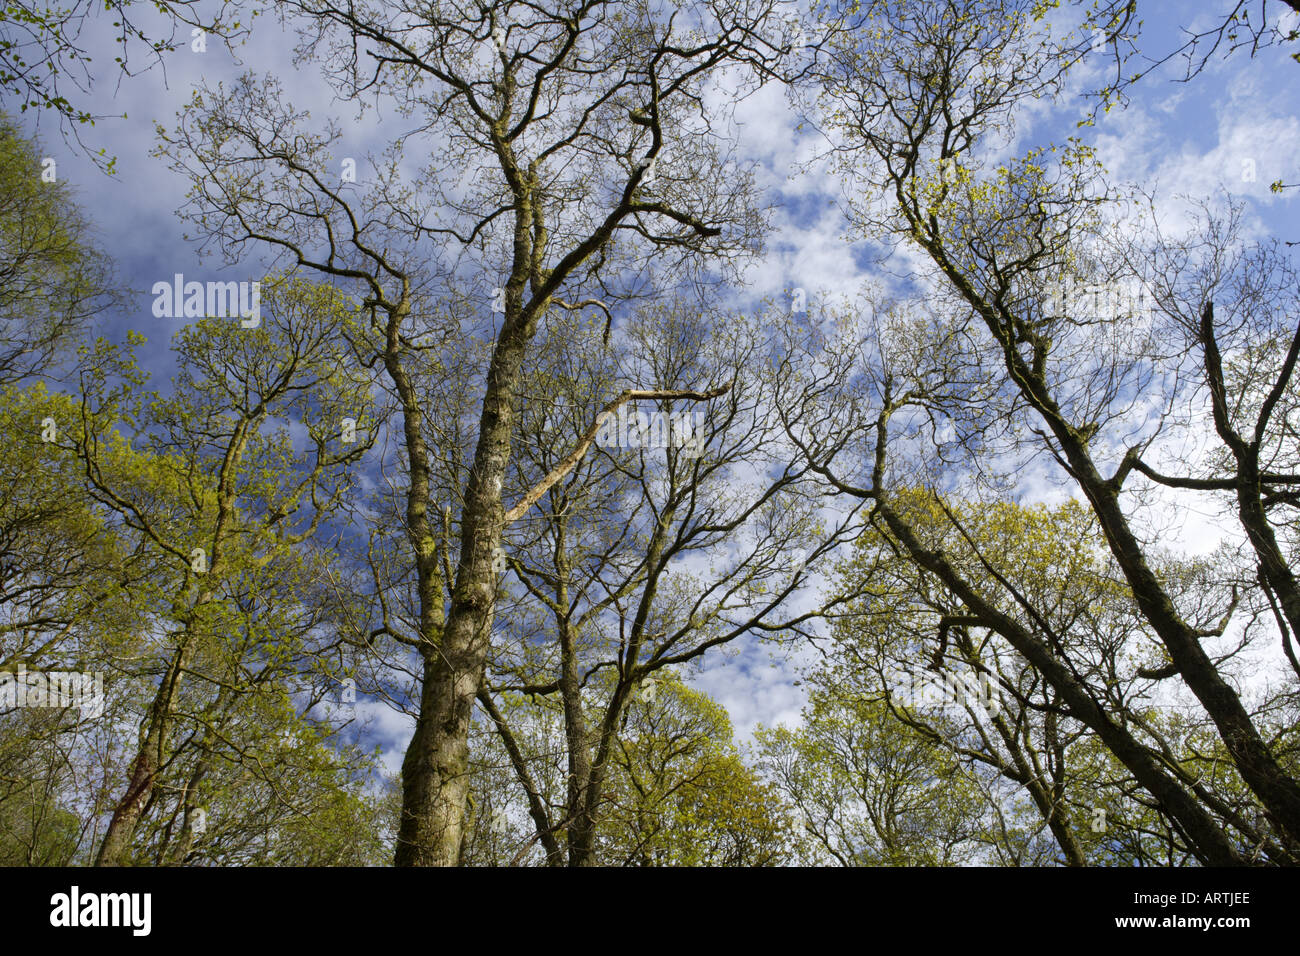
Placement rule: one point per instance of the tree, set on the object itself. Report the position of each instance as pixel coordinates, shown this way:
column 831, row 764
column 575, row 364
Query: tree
column 908, row 643
column 869, row 792
column 533, row 107
column 668, row 543
column 53, row 280
column 65, row 574
column 681, row 794
column 995, row 242
column 227, row 506
column 70, row 587
column 676, row 792
column 38, row 826
column 1244, row 385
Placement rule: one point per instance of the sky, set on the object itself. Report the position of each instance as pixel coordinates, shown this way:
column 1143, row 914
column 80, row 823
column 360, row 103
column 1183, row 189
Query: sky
column 1233, row 128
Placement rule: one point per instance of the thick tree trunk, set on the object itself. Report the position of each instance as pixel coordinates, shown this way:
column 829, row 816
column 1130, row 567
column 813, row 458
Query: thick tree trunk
column 435, row 783
column 126, row 816
column 581, row 828
column 435, row 779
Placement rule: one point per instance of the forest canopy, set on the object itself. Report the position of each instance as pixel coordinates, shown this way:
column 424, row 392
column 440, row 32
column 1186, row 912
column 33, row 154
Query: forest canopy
column 737, row 433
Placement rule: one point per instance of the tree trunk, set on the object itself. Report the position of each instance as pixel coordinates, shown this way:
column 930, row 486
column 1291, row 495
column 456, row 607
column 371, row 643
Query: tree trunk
column 435, row 783
column 144, row 769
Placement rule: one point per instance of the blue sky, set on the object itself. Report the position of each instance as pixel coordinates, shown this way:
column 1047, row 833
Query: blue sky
column 1235, row 120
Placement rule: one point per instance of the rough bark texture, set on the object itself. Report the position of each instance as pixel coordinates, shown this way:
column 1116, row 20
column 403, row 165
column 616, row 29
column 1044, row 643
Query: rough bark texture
column 144, row 768
column 434, row 772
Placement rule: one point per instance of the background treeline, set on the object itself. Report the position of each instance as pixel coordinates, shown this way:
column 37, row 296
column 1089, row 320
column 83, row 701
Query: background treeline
column 387, row 500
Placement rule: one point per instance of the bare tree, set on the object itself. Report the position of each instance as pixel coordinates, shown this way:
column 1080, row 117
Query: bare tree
column 614, row 564
column 588, row 135
column 1235, row 310
column 917, row 122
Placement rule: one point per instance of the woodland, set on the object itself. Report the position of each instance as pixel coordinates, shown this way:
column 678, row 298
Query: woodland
column 508, row 451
